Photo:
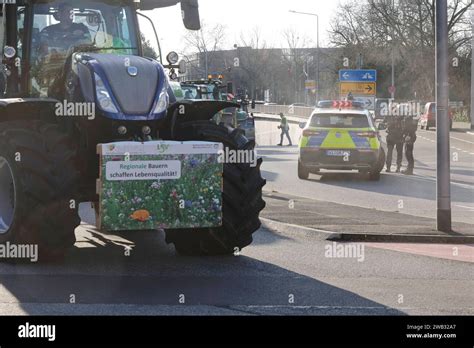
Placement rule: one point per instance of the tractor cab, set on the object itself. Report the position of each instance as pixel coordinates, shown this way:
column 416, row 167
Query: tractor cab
column 39, row 36
column 60, row 29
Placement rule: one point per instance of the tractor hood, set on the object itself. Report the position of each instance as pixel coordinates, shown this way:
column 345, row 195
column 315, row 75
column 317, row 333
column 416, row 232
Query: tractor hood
column 123, row 87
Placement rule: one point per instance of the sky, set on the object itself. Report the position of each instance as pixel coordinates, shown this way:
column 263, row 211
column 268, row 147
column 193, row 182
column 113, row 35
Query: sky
column 271, row 16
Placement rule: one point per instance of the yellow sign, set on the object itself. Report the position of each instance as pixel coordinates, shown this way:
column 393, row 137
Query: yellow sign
column 310, row 84
column 356, row 88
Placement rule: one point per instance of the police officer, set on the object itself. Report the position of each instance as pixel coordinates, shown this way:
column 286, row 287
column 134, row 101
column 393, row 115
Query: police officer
column 285, row 130
column 394, row 140
column 409, row 135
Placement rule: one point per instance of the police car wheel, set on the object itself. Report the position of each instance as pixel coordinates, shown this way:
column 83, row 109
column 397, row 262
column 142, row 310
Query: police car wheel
column 303, row 173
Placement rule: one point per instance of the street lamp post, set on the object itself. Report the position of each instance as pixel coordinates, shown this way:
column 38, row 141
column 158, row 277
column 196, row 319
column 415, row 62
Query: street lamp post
column 442, row 118
column 393, row 74
column 472, row 72
column 392, row 47
column 318, row 50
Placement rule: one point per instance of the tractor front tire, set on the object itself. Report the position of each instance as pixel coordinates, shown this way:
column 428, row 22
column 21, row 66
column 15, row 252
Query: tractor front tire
column 38, row 179
column 242, row 197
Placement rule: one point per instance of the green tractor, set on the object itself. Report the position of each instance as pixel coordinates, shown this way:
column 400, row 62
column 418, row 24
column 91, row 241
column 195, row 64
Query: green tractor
column 71, row 55
column 214, row 89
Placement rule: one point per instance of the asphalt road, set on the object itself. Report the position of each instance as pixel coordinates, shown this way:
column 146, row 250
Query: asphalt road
column 414, row 195
column 281, row 273
column 278, row 274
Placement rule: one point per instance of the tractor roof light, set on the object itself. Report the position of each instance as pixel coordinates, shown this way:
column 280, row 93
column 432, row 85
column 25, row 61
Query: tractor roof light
column 172, row 58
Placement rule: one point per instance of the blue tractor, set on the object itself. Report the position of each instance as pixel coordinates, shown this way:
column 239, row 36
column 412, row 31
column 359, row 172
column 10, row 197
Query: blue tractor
column 85, row 59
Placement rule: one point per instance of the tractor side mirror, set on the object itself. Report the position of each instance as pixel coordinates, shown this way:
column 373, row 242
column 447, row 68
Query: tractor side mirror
column 190, row 12
column 302, row 125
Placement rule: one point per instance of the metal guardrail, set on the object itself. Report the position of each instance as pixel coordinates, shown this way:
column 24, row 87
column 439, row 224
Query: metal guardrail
column 287, row 110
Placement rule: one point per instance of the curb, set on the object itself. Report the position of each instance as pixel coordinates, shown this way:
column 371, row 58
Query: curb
column 291, row 230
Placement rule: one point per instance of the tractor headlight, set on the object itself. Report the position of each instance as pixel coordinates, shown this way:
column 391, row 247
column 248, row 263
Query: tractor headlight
column 163, row 102
column 103, row 96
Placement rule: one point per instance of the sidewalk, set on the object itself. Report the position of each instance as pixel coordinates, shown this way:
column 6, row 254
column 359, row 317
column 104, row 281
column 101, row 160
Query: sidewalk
column 463, row 127
column 269, row 117
column 459, row 127
column 347, row 223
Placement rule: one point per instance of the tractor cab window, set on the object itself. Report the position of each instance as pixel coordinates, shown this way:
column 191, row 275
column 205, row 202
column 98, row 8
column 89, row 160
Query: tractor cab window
column 190, row 92
column 60, row 29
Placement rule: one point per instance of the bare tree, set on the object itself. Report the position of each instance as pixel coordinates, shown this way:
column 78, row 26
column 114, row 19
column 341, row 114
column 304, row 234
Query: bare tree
column 299, row 60
column 404, row 29
column 201, row 46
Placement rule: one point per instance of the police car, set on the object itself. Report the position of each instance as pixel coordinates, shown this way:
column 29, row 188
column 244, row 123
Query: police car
column 341, row 135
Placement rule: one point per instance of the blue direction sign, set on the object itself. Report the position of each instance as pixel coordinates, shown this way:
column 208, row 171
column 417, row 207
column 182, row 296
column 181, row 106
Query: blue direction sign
column 358, row 75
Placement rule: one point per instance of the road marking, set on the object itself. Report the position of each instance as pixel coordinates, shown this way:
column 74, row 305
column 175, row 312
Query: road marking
column 462, row 253
column 464, row 141
column 465, row 207
column 426, row 178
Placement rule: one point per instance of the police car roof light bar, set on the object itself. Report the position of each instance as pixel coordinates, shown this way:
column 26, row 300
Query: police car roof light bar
column 340, row 104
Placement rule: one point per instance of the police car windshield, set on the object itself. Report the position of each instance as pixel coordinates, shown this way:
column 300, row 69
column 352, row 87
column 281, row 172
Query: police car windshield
column 340, row 121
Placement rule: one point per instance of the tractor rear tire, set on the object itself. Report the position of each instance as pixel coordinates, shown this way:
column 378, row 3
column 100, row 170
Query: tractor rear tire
column 242, row 197
column 38, row 179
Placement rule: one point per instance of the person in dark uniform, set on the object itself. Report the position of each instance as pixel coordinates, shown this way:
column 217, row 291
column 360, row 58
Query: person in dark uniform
column 394, row 140
column 409, row 136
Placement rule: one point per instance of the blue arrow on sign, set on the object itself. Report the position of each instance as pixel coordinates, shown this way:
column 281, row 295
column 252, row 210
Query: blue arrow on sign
column 358, row 75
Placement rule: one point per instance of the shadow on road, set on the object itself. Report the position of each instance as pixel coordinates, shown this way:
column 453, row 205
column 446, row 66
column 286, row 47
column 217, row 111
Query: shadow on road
column 396, row 185
column 154, row 275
